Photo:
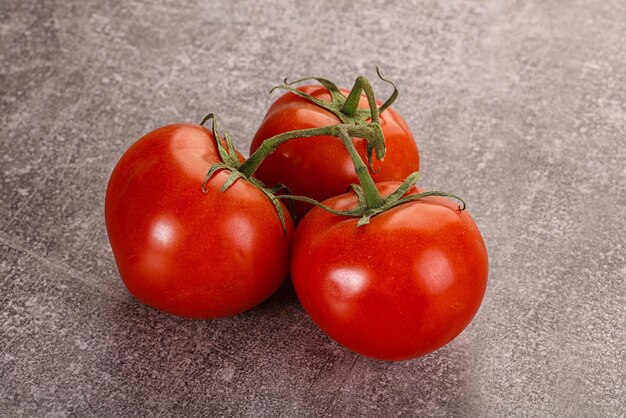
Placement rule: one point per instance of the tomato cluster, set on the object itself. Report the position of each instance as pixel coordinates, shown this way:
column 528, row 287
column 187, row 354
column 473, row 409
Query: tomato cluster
column 388, row 270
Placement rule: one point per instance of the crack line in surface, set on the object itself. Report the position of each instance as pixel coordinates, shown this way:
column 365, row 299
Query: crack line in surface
column 59, row 266
column 343, row 382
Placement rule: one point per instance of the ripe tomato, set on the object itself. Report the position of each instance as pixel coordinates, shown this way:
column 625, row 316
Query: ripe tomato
column 402, row 286
column 320, row 167
column 189, row 253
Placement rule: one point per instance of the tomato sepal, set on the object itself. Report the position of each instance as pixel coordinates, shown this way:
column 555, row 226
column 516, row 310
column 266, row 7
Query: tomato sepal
column 345, row 108
column 370, row 203
column 231, row 162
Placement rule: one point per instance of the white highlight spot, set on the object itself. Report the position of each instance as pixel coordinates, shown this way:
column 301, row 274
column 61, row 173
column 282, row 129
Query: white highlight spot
column 435, row 270
column 242, row 228
column 163, row 232
column 350, row 281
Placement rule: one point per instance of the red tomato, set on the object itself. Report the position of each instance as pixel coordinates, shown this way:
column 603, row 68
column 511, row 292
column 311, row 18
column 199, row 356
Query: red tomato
column 189, row 253
column 402, row 286
column 320, row 167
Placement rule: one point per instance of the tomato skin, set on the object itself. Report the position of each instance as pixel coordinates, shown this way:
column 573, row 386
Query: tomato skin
column 189, row 253
column 403, row 286
column 320, row 167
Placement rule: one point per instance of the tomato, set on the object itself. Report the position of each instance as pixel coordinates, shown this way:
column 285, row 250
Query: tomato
column 399, row 287
column 189, row 253
column 320, row 167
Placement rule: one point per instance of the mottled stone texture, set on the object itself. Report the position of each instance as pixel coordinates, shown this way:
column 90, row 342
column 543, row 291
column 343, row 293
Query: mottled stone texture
column 520, row 107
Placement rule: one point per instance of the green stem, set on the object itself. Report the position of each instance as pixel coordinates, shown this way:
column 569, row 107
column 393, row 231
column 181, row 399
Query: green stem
column 269, row 145
column 372, row 196
column 391, row 98
column 351, row 105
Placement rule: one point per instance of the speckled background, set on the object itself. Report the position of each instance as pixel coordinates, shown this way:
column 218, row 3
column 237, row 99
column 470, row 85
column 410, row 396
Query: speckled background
column 520, row 107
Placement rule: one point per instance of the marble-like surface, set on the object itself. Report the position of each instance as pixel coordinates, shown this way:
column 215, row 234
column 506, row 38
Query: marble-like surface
column 520, row 107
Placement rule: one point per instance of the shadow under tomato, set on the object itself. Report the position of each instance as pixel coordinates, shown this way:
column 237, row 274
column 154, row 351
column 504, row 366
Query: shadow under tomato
column 284, row 295
column 274, row 351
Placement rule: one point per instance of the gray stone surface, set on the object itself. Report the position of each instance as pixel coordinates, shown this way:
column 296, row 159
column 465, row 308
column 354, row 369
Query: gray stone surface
column 520, row 107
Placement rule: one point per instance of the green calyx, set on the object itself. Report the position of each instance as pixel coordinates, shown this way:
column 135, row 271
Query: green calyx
column 370, row 202
column 365, row 213
column 230, row 161
column 345, row 108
